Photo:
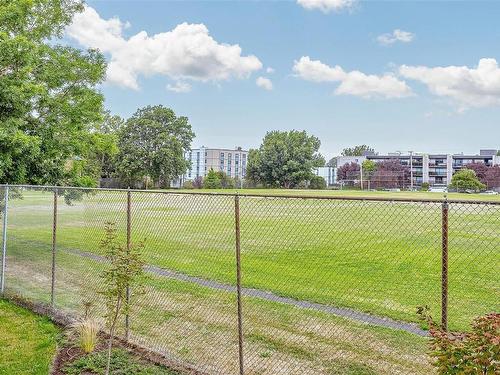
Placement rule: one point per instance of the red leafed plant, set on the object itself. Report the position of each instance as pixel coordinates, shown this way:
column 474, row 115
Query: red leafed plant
column 474, row 352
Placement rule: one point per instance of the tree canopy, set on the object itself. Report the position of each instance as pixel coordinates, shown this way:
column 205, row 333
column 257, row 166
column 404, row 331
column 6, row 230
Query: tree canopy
column 152, row 144
column 285, row 159
column 466, row 179
column 356, row 150
column 48, row 95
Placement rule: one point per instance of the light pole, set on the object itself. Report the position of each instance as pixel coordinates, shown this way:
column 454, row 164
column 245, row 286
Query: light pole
column 411, row 170
column 361, row 174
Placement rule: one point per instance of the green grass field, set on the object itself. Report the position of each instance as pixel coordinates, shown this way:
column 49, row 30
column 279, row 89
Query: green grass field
column 378, row 257
column 28, row 341
column 351, row 193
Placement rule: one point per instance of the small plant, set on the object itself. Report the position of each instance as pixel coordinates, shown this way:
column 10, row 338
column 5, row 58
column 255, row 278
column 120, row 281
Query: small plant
column 475, row 352
column 87, row 331
column 125, row 267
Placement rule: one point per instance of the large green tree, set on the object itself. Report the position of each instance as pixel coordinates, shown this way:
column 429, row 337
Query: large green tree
column 466, row 179
column 152, row 144
column 285, row 159
column 48, row 95
column 356, row 150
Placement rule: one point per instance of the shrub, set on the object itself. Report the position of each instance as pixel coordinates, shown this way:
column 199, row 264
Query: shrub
column 198, row 182
column 317, row 183
column 425, row 186
column 475, row 352
column 188, row 185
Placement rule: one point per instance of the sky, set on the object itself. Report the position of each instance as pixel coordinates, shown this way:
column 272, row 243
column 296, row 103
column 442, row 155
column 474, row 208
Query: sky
column 399, row 76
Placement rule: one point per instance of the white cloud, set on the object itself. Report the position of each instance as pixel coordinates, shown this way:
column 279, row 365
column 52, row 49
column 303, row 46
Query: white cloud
column 327, row 6
column 264, row 83
column 187, row 52
column 468, row 87
column 269, row 70
column 396, row 36
column 352, row 83
column 179, row 87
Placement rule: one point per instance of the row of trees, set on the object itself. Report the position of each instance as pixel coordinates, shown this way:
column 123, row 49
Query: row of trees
column 383, row 174
column 53, row 130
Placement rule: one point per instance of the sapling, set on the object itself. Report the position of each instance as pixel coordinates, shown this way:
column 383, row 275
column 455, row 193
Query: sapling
column 125, row 268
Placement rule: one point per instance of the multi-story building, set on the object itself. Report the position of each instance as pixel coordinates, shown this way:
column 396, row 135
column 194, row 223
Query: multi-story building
column 435, row 169
column 233, row 162
column 328, row 173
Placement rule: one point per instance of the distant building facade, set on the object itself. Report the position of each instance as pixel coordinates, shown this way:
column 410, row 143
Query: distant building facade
column 328, row 173
column 434, row 169
column 233, row 162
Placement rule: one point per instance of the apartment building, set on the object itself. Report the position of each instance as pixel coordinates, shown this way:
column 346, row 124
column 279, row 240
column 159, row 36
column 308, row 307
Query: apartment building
column 435, row 169
column 231, row 161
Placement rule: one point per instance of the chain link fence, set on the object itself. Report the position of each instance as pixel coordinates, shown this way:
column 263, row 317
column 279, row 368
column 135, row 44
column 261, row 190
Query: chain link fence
column 251, row 284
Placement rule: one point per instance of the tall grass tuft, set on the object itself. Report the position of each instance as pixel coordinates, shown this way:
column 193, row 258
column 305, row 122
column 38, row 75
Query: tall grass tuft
column 87, row 331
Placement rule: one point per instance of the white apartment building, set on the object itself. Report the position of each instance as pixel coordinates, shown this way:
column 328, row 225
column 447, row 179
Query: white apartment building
column 233, row 162
column 435, row 169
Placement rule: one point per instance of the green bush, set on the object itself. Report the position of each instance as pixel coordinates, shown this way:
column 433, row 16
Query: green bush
column 317, row 183
column 425, row 186
column 188, row 185
column 475, row 352
column 212, row 180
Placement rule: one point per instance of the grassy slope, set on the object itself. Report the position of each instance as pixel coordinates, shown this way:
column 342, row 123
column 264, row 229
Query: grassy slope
column 28, row 341
column 198, row 325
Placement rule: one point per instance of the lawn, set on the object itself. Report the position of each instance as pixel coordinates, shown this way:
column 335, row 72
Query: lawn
column 378, row 257
column 28, row 341
column 350, row 193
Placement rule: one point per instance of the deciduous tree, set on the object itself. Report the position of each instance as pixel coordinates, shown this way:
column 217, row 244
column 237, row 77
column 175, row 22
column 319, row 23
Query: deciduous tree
column 152, row 144
column 48, row 94
column 285, row 159
column 466, row 179
column 356, row 150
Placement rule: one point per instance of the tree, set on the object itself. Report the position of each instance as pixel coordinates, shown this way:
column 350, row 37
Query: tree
column 125, row 268
column 348, row 172
column 356, row 150
column 48, row 94
column 466, row 179
column 369, row 168
column 284, row 159
column 480, row 169
column 105, row 134
column 212, row 180
column 332, row 162
column 226, row 181
column 492, row 177
column 317, row 183
column 152, row 144
column 390, row 174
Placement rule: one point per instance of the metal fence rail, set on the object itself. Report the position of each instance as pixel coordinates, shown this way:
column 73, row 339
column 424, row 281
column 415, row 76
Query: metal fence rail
column 255, row 284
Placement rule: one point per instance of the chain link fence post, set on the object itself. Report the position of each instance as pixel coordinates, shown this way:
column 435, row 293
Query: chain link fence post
column 4, row 237
column 444, row 266
column 238, row 280
column 54, row 246
column 129, row 225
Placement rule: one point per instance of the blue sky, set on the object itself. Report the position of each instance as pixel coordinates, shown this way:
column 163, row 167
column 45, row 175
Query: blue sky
column 352, row 89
